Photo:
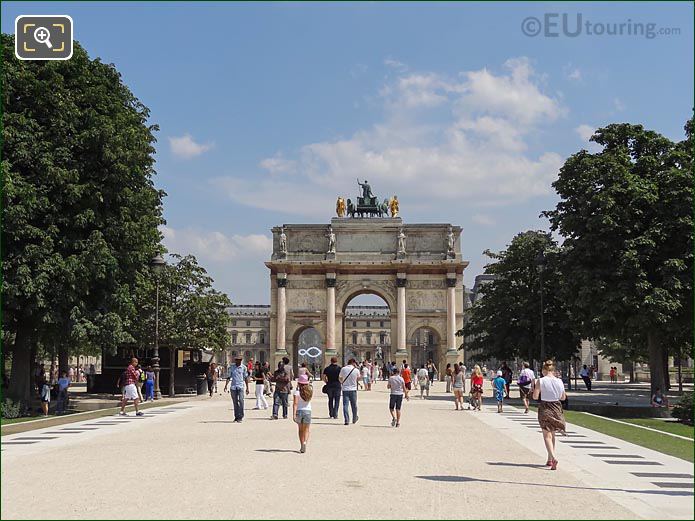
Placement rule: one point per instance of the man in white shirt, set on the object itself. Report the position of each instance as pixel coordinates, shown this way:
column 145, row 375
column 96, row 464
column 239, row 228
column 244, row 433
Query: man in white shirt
column 348, row 378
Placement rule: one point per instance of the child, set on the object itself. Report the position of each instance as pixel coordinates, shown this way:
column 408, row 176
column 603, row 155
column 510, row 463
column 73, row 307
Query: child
column 398, row 390
column 45, row 397
column 498, row 384
column 301, row 409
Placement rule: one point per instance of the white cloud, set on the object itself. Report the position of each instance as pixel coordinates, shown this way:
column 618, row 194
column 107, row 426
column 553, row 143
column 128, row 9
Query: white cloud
column 618, row 104
column 186, row 147
column 575, row 74
column 215, row 246
column 395, row 65
column 585, row 132
column 441, row 140
column 483, row 220
column 278, row 165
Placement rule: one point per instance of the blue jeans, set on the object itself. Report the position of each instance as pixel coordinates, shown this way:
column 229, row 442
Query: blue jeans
column 62, row 401
column 351, row 397
column 280, row 399
column 149, row 389
column 238, row 401
column 333, row 402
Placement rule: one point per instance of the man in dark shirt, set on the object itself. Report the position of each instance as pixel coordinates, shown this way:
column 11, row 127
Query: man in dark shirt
column 333, row 387
column 282, row 389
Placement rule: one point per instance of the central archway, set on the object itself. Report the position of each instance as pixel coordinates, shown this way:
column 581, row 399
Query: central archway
column 366, row 327
column 308, row 348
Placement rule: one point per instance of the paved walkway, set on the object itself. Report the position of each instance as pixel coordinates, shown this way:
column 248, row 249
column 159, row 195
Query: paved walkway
column 191, row 461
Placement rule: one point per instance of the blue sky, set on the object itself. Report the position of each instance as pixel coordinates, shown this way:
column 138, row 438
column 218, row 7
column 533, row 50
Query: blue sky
column 267, row 112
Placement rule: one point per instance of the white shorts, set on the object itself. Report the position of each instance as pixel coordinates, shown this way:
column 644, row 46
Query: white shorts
column 130, row 392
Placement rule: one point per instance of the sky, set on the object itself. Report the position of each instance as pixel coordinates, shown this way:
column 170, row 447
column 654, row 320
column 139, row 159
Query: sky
column 268, row 112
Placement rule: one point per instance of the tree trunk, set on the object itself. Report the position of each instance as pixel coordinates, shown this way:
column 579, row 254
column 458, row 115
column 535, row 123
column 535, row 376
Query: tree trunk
column 172, row 370
column 20, row 379
column 656, row 362
column 632, row 372
column 680, row 375
column 62, row 360
column 667, row 375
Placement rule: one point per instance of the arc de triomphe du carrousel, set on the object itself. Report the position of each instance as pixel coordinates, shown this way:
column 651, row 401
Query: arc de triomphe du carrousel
column 317, row 269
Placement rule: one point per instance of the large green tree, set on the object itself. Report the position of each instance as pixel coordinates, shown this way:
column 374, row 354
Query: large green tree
column 626, row 214
column 192, row 314
column 505, row 322
column 80, row 210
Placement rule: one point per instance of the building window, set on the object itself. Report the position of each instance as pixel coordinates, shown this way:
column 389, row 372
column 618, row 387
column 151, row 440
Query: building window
column 381, row 324
column 248, row 338
column 382, row 338
column 234, row 337
column 354, row 338
column 261, row 338
column 248, row 323
column 369, row 324
column 354, row 323
column 430, row 339
column 369, row 337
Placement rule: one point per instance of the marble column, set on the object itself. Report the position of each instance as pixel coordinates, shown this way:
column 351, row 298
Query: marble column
column 451, row 313
column 280, row 348
column 400, row 285
column 330, row 314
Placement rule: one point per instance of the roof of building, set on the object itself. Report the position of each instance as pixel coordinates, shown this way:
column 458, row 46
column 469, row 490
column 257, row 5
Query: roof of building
column 249, row 310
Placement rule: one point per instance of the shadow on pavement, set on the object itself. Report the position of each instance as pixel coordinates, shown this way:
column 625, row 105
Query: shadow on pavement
column 504, row 464
column 277, row 450
column 465, row 479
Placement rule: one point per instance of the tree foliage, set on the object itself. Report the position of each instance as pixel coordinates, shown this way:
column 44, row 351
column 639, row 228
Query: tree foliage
column 626, row 215
column 80, row 210
column 505, row 321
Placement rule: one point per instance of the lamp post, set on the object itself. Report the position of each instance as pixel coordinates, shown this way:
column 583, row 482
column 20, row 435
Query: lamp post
column 157, row 263
column 540, row 266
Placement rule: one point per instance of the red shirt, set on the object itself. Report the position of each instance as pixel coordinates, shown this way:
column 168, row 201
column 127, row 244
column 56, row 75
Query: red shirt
column 406, row 375
column 477, row 380
column 132, row 375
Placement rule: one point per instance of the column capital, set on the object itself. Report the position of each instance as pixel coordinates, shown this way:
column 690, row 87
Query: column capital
column 450, row 282
column 282, row 280
column 330, row 282
column 401, row 282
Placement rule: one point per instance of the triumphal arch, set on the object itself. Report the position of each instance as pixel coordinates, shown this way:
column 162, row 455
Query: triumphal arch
column 316, row 269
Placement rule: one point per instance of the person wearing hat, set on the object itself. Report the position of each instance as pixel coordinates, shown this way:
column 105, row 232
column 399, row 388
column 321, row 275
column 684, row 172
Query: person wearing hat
column 237, row 379
column 498, row 385
column 301, row 409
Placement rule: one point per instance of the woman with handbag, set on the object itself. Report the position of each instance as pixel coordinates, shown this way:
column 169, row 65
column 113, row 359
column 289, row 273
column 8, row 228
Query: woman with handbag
column 551, row 392
column 525, row 382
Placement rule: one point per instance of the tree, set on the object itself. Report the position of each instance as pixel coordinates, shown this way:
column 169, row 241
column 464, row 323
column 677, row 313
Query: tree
column 80, row 211
column 505, row 322
column 192, row 314
column 628, row 351
column 626, row 216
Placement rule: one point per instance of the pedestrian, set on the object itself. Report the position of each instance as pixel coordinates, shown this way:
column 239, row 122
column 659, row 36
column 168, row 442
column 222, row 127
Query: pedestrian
column 140, row 382
column 397, row 386
column 288, row 369
column 303, row 369
column 259, row 377
column 384, row 371
column 39, row 377
column 267, row 386
column 237, row 379
column 458, row 382
column 423, row 381
column 526, row 378
column 407, row 375
column 63, row 385
column 499, row 385
column 301, row 409
column 130, row 390
column 477, row 387
column 211, row 377
column 447, row 377
column 45, row 397
column 149, row 384
column 332, row 387
column 249, row 365
column 348, row 379
column 507, row 375
column 71, row 373
column 584, row 373
column 658, row 399
column 431, row 372
column 463, row 371
column 365, row 377
column 551, row 392
column 282, row 390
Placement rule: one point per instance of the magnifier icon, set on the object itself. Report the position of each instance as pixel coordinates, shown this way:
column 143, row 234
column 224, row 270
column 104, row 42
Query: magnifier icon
column 42, row 35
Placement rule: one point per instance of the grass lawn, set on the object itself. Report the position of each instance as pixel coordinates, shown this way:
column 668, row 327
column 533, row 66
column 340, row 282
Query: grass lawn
column 652, row 440
column 7, row 421
column 673, row 427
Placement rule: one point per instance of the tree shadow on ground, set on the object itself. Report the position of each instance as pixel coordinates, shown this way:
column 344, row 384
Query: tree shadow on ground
column 466, row 479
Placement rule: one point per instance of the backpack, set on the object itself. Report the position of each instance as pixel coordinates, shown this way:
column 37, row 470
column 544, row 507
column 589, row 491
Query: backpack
column 142, row 376
column 122, row 379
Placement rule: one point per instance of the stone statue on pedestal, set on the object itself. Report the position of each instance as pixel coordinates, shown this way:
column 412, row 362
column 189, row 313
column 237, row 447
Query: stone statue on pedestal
column 450, row 242
column 331, row 240
column 401, row 243
column 283, row 242
column 394, row 206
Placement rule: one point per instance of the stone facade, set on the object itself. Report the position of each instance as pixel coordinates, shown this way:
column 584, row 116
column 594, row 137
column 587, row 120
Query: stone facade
column 249, row 329
column 312, row 287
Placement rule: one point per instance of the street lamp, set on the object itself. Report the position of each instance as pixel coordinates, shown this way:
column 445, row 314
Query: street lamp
column 541, row 261
column 157, row 264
